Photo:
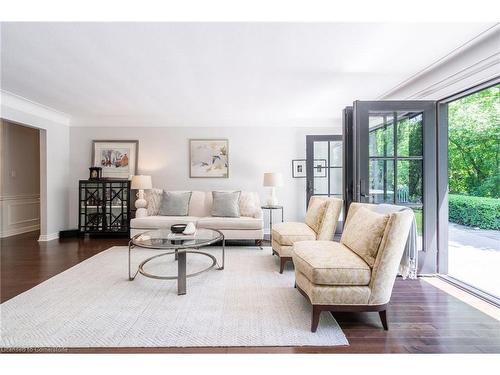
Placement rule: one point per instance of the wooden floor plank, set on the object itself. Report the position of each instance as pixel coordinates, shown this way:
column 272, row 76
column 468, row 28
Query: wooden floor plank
column 422, row 318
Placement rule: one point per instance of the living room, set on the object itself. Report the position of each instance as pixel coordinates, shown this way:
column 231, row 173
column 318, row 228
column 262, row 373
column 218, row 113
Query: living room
column 249, row 187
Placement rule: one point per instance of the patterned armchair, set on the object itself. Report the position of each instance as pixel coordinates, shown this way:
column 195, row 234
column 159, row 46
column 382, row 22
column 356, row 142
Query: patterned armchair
column 320, row 223
column 357, row 273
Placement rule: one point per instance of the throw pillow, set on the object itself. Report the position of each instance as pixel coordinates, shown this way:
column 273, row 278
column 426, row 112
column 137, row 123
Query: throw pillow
column 248, row 207
column 363, row 233
column 226, row 204
column 153, row 197
column 175, row 203
column 314, row 214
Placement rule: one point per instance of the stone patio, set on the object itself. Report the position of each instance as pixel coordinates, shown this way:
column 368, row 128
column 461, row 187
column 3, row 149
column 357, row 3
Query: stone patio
column 474, row 257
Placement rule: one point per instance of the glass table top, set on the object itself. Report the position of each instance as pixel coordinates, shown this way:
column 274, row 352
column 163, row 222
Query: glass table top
column 165, row 239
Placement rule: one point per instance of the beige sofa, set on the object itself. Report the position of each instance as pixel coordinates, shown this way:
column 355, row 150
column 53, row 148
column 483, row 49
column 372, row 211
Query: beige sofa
column 334, row 277
column 320, row 223
column 249, row 226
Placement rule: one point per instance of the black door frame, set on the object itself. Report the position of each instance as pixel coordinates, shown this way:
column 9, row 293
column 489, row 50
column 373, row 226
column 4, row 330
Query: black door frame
column 361, row 109
column 310, row 139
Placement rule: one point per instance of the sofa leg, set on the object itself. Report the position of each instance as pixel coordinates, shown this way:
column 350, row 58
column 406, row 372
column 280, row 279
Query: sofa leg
column 315, row 318
column 258, row 243
column 282, row 264
column 383, row 318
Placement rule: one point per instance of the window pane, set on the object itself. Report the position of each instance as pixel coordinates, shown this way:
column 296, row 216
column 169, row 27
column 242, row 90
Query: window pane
column 321, row 150
column 381, row 134
column 335, row 180
column 410, row 182
column 410, row 135
column 336, row 154
column 320, row 185
column 381, row 181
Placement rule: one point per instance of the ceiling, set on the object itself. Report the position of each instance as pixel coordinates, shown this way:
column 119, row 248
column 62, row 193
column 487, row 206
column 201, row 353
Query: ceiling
column 216, row 74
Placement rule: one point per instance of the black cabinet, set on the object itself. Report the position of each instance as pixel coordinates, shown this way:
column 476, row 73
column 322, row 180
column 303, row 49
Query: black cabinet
column 104, row 207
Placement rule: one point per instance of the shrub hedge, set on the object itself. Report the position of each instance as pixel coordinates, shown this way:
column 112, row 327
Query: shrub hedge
column 479, row 212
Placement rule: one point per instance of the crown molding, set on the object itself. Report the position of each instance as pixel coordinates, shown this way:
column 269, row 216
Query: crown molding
column 474, row 69
column 19, row 103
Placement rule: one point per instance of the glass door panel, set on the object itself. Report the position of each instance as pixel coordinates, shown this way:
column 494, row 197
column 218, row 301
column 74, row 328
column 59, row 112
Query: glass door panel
column 324, row 165
column 391, row 159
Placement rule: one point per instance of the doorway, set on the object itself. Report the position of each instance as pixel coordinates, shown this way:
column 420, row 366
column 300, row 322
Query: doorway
column 20, row 179
column 324, row 176
column 469, row 189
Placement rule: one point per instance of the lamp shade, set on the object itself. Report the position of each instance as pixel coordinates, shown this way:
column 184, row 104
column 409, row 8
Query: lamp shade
column 273, row 179
column 141, row 182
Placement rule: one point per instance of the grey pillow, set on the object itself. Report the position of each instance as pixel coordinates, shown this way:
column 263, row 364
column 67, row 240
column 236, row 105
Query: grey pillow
column 226, row 204
column 175, row 203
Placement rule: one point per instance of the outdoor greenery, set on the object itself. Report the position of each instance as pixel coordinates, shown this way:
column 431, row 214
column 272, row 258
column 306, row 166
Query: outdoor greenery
column 474, row 144
column 474, row 159
column 475, row 211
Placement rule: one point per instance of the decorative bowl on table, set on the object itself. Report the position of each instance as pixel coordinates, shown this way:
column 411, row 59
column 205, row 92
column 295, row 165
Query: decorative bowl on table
column 178, row 228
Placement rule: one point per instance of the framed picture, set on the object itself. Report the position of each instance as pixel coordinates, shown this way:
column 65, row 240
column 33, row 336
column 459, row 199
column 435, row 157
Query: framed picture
column 208, row 158
column 118, row 159
column 319, row 167
column 299, row 168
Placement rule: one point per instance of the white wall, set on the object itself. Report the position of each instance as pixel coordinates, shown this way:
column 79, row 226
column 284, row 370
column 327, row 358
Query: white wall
column 164, row 154
column 54, row 164
column 20, row 179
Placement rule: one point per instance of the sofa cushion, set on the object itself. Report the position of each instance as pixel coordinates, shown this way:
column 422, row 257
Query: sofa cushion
column 230, row 223
column 315, row 212
column 226, row 203
column 153, row 198
column 175, row 203
column 363, row 233
column 330, row 263
column 249, row 204
column 200, row 203
column 288, row 233
column 153, row 222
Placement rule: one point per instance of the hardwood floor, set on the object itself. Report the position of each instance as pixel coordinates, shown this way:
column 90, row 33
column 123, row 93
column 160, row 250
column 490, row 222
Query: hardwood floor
column 422, row 318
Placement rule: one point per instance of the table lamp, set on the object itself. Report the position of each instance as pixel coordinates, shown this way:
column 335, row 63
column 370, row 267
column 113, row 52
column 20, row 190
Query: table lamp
column 273, row 180
column 141, row 183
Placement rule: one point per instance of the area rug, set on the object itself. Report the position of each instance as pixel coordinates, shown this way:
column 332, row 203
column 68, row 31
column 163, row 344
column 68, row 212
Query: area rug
column 93, row 304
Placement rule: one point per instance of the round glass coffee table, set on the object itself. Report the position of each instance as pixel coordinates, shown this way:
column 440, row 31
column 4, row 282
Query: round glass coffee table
column 178, row 245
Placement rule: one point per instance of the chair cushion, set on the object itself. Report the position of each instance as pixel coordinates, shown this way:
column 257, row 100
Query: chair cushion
column 315, row 211
column 363, row 233
column 230, row 223
column 284, row 251
column 330, row 263
column 288, row 233
column 153, row 222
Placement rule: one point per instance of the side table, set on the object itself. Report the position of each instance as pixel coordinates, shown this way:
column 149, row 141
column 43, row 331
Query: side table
column 271, row 208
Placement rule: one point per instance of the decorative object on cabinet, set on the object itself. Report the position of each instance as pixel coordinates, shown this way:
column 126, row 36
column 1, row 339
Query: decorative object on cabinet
column 208, row 158
column 272, row 180
column 104, row 207
column 141, row 183
column 95, row 173
column 118, row 159
column 299, row 168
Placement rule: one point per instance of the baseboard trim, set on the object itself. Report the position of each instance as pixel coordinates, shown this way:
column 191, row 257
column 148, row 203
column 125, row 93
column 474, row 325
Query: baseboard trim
column 48, row 237
column 17, row 231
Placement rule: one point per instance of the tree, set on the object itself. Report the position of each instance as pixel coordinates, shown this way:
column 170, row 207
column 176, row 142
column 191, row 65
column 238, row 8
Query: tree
column 474, row 144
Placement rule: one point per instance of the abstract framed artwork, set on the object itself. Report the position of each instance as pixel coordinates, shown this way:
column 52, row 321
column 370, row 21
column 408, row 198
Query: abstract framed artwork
column 118, row 159
column 299, row 168
column 208, row 158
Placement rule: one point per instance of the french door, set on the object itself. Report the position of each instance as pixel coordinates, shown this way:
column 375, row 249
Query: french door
column 394, row 159
column 324, row 159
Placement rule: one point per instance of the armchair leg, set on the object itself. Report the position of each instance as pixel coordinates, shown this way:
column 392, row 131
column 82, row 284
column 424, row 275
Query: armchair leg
column 315, row 318
column 383, row 318
column 282, row 264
